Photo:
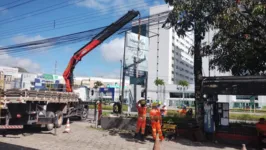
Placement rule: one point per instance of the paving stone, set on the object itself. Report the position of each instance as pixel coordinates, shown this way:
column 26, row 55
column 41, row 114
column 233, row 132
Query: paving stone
column 84, row 138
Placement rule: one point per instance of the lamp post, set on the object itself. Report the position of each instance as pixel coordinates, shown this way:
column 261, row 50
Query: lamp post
column 121, row 67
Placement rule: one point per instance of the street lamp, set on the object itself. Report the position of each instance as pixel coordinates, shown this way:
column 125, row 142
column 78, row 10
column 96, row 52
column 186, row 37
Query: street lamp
column 121, row 67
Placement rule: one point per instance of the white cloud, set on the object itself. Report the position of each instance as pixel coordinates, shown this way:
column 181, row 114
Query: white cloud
column 29, row 65
column 117, row 7
column 23, row 38
column 113, row 50
column 94, row 4
column 101, row 73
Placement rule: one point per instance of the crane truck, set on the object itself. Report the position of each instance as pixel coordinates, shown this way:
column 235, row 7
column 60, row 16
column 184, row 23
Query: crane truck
column 19, row 108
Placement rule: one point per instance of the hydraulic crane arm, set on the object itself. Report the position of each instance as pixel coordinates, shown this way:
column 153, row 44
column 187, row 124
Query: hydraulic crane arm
column 96, row 40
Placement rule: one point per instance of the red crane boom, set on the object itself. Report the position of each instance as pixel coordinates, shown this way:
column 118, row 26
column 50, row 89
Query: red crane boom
column 96, row 40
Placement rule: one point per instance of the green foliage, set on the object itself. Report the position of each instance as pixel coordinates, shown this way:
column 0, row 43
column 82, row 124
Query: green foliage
column 188, row 12
column 239, row 45
column 159, row 82
column 247, row 110
column 183, row 83
column 97, row 84
column 108, row 107
column 240, row 41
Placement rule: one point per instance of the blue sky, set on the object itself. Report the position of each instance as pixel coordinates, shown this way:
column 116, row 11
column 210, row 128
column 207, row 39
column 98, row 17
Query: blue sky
column 88, row 14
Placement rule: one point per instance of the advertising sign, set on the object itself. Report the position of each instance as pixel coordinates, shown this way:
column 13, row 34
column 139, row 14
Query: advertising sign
column 137, row 48
column 107, row 93
column 209, row 125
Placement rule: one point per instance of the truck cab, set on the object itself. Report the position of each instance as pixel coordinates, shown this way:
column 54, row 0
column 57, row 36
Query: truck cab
column 83, row 93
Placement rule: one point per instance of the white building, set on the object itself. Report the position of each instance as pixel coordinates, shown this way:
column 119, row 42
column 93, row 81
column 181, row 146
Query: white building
column 169, row 60
column 10, row 75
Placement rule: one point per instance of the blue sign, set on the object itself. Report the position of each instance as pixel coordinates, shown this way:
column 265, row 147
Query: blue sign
column 209, row 125
column 108, row 92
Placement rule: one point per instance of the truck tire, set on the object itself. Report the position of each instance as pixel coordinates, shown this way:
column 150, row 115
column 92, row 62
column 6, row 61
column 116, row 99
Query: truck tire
column 117, row 108
column 50, row 126
column 59, row 119
column 84, row 114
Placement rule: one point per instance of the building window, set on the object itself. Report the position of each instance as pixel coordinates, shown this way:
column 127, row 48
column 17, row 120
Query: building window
column 173, row 79
column 176, row 95
column 245, row 97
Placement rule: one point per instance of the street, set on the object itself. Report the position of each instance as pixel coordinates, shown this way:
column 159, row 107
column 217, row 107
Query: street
column 83, row 137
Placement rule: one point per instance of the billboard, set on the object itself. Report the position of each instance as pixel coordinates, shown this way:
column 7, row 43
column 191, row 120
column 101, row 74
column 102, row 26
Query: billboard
column 132, row 45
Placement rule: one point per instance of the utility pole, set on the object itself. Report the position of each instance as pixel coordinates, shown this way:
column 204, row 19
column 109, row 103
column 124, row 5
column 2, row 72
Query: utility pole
column 121, row 69
column 135, row 85
column 146, row 85
column 124, row 72
column 55, row 67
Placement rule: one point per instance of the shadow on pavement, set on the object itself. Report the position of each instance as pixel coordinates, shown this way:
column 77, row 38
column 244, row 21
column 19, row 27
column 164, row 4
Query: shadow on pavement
column 6, row 146
column 129, row 136
column 187, row 142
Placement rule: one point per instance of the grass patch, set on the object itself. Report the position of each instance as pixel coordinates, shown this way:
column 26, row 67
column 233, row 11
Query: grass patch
column 108, row 107
column 247, row 117
column 247, row 110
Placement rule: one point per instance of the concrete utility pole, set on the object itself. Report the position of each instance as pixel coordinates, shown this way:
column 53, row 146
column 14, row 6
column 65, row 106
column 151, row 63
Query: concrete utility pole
column 146, row 85
column 123, row 71
column 135, row 85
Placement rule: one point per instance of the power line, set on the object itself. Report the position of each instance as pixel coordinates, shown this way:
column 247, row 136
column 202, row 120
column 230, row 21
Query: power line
column 50, row 24
column 40, row 11
column 38, row 47
column 61, row 40
column 17, row 5
column 9, row 3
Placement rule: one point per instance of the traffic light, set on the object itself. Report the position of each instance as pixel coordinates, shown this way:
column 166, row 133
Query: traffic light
column 92, row 92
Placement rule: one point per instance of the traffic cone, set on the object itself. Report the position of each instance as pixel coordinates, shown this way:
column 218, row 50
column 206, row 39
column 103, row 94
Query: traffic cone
column 156, row 145
column 67, row 128
column 243, row 147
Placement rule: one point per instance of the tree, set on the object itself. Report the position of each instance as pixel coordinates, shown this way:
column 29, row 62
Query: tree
column 97, row 84
column 159, row 82
column 184, row 84
column 239, row 45
column 197, row 16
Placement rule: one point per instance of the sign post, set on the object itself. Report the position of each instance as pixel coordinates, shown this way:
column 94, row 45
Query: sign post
column 252, row 102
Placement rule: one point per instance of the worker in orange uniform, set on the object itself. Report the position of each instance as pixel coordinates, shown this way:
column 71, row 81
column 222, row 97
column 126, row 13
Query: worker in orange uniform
column 141, row 123
column 156, row 119
column 261, row 128
column 99, row 107
column 183, row 111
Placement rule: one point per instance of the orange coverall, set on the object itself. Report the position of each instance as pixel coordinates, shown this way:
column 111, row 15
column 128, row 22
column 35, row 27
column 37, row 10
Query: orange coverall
column 155, row 116
column 99, row 106
column 182, row 111
column 141, row 124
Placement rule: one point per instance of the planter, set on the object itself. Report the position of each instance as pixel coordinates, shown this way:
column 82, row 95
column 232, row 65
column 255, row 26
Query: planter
column 121, row 123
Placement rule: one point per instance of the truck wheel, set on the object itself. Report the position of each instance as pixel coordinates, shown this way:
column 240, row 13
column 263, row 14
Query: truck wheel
column 84, row 114
column 117, row 108
column 59, row 119
column 50, row 126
